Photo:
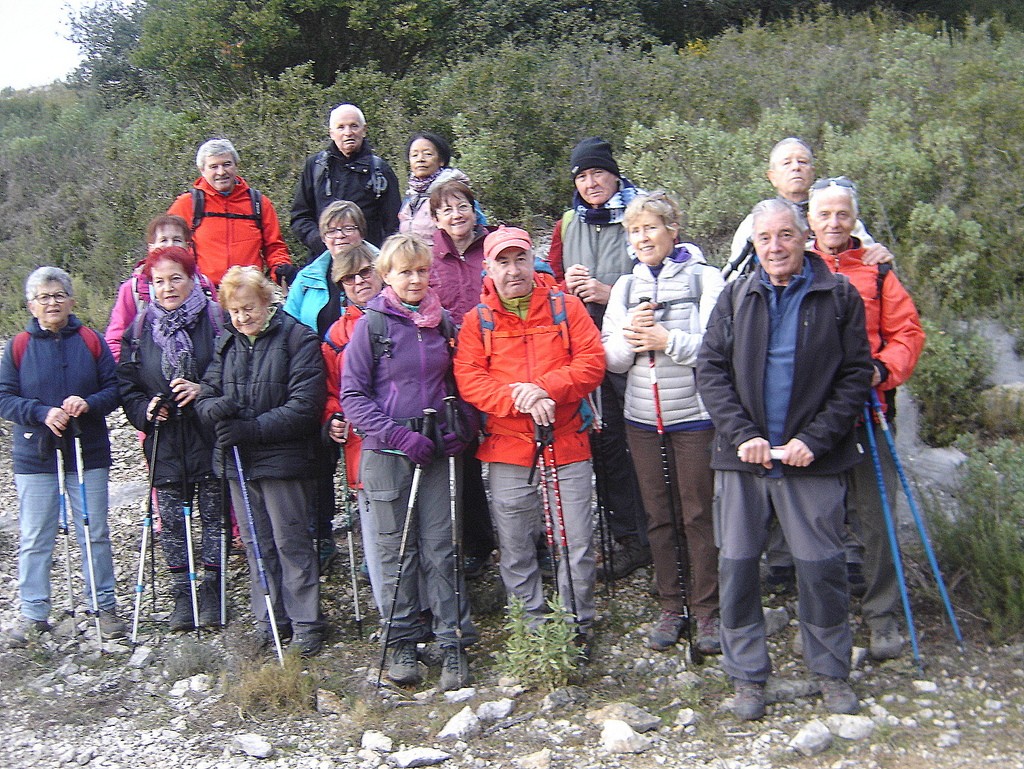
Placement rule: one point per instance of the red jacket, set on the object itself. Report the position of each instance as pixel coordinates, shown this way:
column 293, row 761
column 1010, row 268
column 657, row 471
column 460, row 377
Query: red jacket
column 221, row 243
column 338, row 336
column 893, row 325
column 529, row 351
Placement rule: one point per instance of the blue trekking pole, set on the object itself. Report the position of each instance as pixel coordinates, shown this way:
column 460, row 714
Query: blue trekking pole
column 76, row 431
column 62, row 490
column 939, row 581
column 260, row 568
column 890, row 528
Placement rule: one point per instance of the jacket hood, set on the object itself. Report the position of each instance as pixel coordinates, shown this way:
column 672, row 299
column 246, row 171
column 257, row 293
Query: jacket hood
column 70, row 329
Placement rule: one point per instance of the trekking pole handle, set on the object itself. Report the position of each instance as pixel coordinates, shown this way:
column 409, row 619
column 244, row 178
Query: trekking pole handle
column 337, row 416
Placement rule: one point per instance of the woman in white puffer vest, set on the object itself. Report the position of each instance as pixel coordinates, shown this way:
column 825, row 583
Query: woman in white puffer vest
column 680, row 290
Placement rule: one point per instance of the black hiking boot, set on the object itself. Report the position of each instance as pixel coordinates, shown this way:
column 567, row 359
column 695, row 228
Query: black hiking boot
column 181, row 618
column 209, row 603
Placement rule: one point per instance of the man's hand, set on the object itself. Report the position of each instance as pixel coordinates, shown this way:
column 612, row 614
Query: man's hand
column 796, row 454
column 525, row 395
column 876, row 253
column 579, row 282
column 757, row 451
column 543, row 412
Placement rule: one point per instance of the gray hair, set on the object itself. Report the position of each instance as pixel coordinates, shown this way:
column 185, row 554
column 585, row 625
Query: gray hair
column 215, row 147
column 780, row 146
column 831, row 185
column 778, row 205
column 47, row 275
column 346, row 105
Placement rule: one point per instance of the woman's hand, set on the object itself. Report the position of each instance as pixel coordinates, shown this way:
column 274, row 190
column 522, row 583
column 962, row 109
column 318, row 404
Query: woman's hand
column 74, row 406
column 157, row 411
column 184, row 391
column 641, row 332
column 57, row 421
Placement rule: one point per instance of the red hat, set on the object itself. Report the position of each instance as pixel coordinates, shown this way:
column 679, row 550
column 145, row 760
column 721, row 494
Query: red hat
column 506, row 237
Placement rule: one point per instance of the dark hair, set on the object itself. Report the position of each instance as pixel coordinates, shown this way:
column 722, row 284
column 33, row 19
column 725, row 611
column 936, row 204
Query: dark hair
column 447, row 189
column 444, row 149
column 180, row 256
column 165, row 220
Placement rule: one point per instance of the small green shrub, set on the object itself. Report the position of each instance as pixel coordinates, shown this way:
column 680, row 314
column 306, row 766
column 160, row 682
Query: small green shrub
column 276, row 689
column 948, row 381
column 985, row 543
column 544, row 656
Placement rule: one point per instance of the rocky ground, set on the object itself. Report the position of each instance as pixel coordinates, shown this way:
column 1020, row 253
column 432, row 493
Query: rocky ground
column 176, row 700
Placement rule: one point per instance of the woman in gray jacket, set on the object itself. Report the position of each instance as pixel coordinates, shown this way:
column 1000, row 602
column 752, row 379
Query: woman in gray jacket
column 655, row 319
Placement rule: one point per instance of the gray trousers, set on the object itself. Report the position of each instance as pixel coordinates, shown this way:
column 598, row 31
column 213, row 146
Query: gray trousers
column 281, row 511
column 810, row 510
column 429, row 554
column 519, row 520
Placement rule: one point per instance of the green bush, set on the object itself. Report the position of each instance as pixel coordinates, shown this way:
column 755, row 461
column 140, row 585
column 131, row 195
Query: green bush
column 948, row 380
column 544, row 656
column 985, row 542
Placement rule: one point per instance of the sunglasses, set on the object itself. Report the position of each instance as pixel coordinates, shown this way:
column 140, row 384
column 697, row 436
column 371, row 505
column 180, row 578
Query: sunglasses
column 365, row 273
column 835, row 181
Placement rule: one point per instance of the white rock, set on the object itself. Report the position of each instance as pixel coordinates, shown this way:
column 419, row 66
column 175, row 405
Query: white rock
column 418, row 757
column 775, row 620
column 686, row 717
column 84, row 756
column 371, row 757
column 461, row 695
column 373, row 740
column 948, row 740
column 329, row 702
column 199, row 683
column 812, row 739
column 925, row 687
column 254, row 745
column 495, row 710
column 179, row 688
column 141, row 657
column 462, row 726
column 638, row 718
column 539, row 760
column 858, row 656
column 619, row 737
column 850, row 727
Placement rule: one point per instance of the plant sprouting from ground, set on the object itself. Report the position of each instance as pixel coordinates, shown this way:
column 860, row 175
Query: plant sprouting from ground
column 273, row 688
column 544, row 655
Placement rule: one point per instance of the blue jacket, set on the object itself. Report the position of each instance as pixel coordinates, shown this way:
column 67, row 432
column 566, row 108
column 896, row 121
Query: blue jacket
column 313, row 299
column 55, row 366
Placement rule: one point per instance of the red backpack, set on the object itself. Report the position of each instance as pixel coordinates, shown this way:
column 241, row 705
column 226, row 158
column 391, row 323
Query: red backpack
column 90, row 337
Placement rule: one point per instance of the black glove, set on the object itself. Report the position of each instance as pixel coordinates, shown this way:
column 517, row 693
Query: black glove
column 237, row 432
column 221, row 409
column 285, row 274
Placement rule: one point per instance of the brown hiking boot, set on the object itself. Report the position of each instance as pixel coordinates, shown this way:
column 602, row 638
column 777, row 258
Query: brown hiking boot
column 748, row 704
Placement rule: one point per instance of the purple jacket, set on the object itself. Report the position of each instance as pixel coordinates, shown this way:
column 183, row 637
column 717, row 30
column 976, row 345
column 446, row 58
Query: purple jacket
column 413, row 375
column 458, row 279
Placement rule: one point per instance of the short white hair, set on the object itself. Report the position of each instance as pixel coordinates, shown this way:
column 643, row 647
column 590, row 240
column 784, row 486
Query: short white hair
column 780, row 146
column 215, row 148
column 337, row 110
column 850, row 192
column 43, row 275
column 774, row 206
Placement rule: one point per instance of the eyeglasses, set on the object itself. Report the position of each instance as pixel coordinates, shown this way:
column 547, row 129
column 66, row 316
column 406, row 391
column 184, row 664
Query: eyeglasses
column 461, row 208
column 59, row 298
column 364, row 274
column 835, row 181
column 341, row 232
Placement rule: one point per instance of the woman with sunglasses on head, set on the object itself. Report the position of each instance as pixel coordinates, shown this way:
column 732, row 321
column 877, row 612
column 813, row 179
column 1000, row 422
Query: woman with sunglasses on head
column 315, row 300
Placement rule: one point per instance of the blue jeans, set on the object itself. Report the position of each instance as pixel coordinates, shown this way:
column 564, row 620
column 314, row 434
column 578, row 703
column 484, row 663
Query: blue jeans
column 39, row 511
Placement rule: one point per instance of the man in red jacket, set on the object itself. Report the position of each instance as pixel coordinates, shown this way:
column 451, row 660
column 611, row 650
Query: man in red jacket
column 232, row 223
column 527, row 357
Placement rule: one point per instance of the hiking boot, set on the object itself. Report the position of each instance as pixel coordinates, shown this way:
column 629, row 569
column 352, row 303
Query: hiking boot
column 855, row 578
column 545, row 563
column 311, row 642
column 886, row 644
column 181, row 618
column 748, row 703
column 327, row 551
column 209, row 603
column 584, row 643
column 665, row 634
column 112, row 626
column 474, row 566
column 838, row 696
column 631, row 555
column 780, row 580
column 709, row 635
column 404, row 668
column 284, row 633
column 454, row 671
column 431, row 655
column 24, row 629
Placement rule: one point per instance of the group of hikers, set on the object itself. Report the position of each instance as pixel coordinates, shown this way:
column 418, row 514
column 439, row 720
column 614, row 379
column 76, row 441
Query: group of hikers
column 716, row 414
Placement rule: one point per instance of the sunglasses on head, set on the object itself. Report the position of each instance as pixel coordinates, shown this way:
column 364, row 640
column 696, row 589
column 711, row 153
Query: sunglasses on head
column 835, row 181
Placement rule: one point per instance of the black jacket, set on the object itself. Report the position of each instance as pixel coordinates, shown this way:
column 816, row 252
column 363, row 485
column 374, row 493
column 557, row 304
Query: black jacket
column 278, row 380
column 329, row 176
column 832, row 371
column 185, row 445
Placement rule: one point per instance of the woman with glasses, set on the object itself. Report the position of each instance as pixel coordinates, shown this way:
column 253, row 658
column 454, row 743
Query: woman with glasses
column 315, row 300
column 55, row 371
column 163, row 359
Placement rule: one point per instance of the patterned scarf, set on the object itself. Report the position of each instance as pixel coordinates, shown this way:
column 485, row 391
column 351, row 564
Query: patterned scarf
column 170, row 334
column 612, row 211
column 419, row 186
column 427, row 315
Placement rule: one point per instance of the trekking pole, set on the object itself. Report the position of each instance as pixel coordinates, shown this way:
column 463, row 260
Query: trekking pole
column 925, row 541
column 890, row 529
column 681, row 571
column 225, row 528
column 188, row 492
column 601, row 488
column 147, row 532
column 260, row 567
column 741, row 263
column 64, row 530
column 549, row 527
column 548, row 436
column 429, row 415
column 76, row 431
column 451, row 420
column 346, row 509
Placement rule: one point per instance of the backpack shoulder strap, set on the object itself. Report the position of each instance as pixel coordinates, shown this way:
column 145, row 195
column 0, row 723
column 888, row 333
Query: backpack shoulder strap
column 556, row 301
column 198, row 207
column 91, row 338
column 566, row 218
column 380, row 342
column 18, row 347
column 485, row 315
column 320, row 168
column 256, row 201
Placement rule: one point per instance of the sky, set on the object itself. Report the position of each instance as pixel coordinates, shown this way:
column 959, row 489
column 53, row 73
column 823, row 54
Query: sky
column 33, row 50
